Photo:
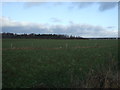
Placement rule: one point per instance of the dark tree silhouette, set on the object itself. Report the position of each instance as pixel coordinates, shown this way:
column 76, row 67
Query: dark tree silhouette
column 39, row 36
column 45, row 36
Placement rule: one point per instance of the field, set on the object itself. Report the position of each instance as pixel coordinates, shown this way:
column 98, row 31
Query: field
column 59, row 63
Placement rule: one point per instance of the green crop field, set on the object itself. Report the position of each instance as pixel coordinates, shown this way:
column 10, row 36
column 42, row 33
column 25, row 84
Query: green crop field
column 49, row 63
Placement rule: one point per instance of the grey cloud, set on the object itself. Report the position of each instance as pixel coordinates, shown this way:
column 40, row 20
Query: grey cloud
column 71, row 22
column 23, row 29
column 110, row 27
column 103, row 6
column 9, row 25
column 84, row 30
column 55, row 20
column 35, row 4
column 107, row 5
column 82, row 4
column 32, row 4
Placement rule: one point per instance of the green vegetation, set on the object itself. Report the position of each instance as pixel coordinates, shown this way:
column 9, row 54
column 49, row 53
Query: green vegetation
column 59, row 63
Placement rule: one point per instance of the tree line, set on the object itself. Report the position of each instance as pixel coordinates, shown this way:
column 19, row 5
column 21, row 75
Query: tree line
column 39, row 36
column 45, row 36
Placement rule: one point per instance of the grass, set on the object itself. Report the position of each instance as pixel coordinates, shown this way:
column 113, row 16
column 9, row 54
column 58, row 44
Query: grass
column 65, row 67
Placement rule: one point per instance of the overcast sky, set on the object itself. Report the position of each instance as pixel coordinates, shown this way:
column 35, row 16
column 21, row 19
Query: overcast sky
column 86, row 19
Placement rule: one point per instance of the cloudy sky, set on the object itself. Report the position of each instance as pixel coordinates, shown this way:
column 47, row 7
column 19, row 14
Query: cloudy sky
column 86, row 19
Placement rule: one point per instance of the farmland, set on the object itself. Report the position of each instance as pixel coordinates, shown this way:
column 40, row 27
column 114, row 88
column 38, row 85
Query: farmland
column 59, row 63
